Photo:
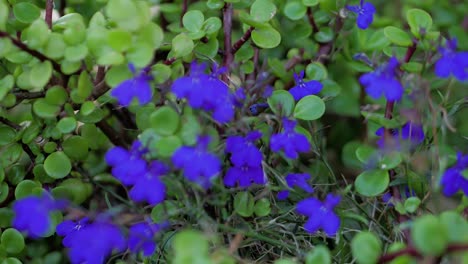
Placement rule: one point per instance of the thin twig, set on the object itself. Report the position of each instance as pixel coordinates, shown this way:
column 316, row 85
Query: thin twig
column 242, row 40
column 48, row 12
column 310, row 15
column 113, row 136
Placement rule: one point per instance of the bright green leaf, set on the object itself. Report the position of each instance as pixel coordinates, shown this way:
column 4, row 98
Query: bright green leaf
column 193, row 20
column 366, row 248
column 372, row 183
column 429, row 235
column 26, row 12
column 281, row 103
column 266, row 37
column 165, row 121
column 12, row 241
column 57, row 165
column 419, row 21
column 310, row 107
column 244, row 204
column 262, row 10
column 397, row 36
column 295, row 10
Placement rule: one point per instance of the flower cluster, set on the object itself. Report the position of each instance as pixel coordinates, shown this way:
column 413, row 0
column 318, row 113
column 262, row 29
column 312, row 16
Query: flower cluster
column 365, row 13
column 454, row 178
column 452, row 62
column 247, row 161
column 384, row 80
column 197, row 163
column 137, row 87
column 303, row 89
column 410, row 135
column 207, row 92
column 321, row 214
column 41, row 207
column 296, row 180
column 289, row 140
column 131, row 169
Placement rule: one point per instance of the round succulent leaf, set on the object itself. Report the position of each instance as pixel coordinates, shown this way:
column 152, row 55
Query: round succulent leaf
column 76, row 147
column 44, row 109
column 262, row 10
column 310, row 2
column 11, row 154
column 166, row 146
column 15, row 174
column 56, row 95
column 40, row 74
column 125, row 13
column 57, row 165
column 397, row 36
column 377, row 41
column 309, row 108
column 412, row 204
column 190, row 246
column 325, row 35
column 70, row 67
column 419, row 21
column 390, row 160
column 66, row 125
column 37, row 34
column 25, row 188
column 55, row 46
column 117, row 74
column 161, row 73
column 12, row 241
column 5, row 46
column 7, row 135
column 26, row 12
column 366, row 247
column 456, row 225
column 295, row 10
column 75, row 34
column 6, row 216
column 372, row 183
column 4, row 191
column 140, row 54
column 266, row 37
column 76, row 53
column 11, row 260
column 212, row 25
column 244, row 204
column 151, row 34
column 87, row 108
column 207, row 50
column 79, row 190
column 320, row 254
column 429, row 235
column 182, row 45
column 4, row 15
column 262, row 207
column 316, row 71
column 50, row 147
column 165, row 121
column 281, row 103
column 193, row 20
column 119, row 39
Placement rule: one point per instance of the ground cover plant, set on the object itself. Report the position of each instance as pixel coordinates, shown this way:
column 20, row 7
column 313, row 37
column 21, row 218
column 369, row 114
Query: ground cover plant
column 235, row 131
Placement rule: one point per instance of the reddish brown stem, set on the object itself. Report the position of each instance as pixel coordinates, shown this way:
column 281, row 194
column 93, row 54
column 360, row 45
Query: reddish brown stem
column 410, row 51
column 48, row 12
column 310, row 15
column 242, row 40
column 227, row 28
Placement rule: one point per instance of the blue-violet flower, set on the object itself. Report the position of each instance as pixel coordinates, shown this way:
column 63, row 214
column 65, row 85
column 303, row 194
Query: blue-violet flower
column 452, row 62
column 321, row 214
column 128, row 165
column 296, row 180
column 303, row 89
column 289, row 140
column 454, row 178
column 138, row 86
column 149, row 186
column 141, row 238
column 365, row 13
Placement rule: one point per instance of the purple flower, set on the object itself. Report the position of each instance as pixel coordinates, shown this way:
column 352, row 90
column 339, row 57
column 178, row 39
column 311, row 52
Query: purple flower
column 197, row 163
column 149, row 187
column 244, row 175
column 365, row 13
column 383, row 81
column 453, row 179
column 91, row 243
column 411, row 135
column 452, row 62
column 255, row 109
column 207, row 92
column 68, row 229
column 243, row 150
column 33, row 214
column 128, row 165
column 303, row 89
column 296, row 180
column 141, row 238
column 289, row 140
column 321, row 214
column 138, row 86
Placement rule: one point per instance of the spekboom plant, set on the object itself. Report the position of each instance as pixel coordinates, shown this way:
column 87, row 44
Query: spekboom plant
column 240, row 131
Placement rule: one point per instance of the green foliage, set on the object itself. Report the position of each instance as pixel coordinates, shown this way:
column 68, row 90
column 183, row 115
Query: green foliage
column 372, row 182
column 281, row 103
column 244, row 204
column 366, row 248
column 309, row 108
column 429, row 235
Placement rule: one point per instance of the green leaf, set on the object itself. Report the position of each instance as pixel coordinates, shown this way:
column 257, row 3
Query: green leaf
column 40, row 74
column 125, row 13
column 316, row 71
column 151, row 34
column 25, row 188
column 397, row 36
column 4, row 13
column 310, row 2
column 377, row 41
column 190, row 247
column 4, row 191
column 295, row 10
column 70, row 67
column 140, row 54
column 262, row 10
column 56, row 95
column 57, row 165
column 161, row 73
column 12, row 241
column 310, row 107
column 281, row 103
column 119, row 39
column 76, row 147
column 266, row 37
column 366, row 248
column 166, row 146
column 165, row 121
column 6, row 216
column 390, row 160
column 74, row 189
column 67, row 125
column 456, row 225
column 372, row 183
column 182, row 45
column 5, row 46
column 6, row 84
column 212, row 25
column 117, row 74
column 419, row 21
column 37, row 34
column 7, row 135
column 411, row 66
column 76, row 53
column 11, row 260
column 55, row 46
column 45, row 110
column 26, row 12
column 320, row 254
column 207, row 50
column 193, row 20
column 325, row 35
column 365, row 152
column 412, row 204
column 244, row 204
column 262, row 207
column 429, row 235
